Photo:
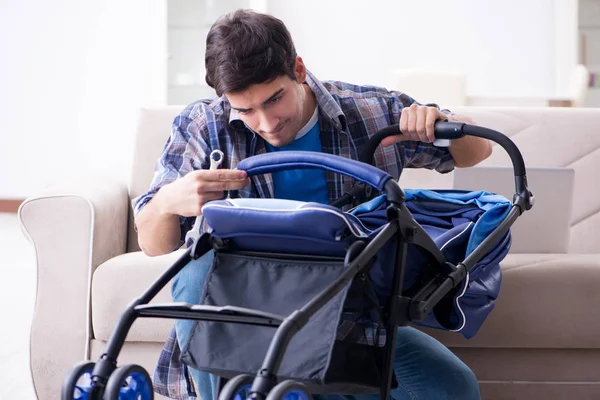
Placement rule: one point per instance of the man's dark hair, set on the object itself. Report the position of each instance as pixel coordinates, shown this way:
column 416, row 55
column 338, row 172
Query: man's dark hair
column 244, row 48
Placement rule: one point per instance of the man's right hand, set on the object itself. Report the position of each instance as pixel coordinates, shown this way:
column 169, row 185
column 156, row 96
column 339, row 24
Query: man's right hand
column 158, row 226
column 186, row 196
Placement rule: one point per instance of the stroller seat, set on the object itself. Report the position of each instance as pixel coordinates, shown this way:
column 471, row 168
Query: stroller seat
column 284, row 226
column 276, row 255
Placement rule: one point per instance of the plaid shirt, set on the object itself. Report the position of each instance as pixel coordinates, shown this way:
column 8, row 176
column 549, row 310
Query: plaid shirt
column 348, row 116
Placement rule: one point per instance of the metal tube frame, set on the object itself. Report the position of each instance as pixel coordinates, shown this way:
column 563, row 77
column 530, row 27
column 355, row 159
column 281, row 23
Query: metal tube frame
column 108, row 360
column 266, row 378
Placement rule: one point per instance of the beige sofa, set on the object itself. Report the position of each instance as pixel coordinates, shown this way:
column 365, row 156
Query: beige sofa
column 541, row 342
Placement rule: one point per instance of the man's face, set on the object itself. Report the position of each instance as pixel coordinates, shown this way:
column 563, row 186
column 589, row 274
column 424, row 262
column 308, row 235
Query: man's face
column 274, row 110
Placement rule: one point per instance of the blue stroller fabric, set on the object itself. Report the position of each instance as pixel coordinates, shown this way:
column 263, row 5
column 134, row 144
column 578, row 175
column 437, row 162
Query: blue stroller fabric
column 457, row 221
column 341, row 346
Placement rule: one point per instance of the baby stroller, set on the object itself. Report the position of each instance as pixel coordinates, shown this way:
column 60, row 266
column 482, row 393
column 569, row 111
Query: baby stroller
column 334, row 284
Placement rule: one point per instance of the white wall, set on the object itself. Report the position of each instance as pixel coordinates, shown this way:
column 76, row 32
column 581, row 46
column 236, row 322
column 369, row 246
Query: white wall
column 506, row 48
column 72, row 76
column 74, row 73
column 566, row 42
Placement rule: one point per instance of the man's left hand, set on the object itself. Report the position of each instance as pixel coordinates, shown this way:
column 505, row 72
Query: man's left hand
column 416, row 123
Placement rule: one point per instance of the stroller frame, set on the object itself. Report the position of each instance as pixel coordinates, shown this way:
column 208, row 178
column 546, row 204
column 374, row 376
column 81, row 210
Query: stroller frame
column 401, row 310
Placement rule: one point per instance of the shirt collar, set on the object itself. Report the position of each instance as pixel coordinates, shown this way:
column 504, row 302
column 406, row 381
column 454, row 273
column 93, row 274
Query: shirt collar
column 329, row 107
column 325, row 102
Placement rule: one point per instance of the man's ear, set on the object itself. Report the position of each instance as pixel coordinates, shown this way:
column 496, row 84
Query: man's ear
column 300, row 70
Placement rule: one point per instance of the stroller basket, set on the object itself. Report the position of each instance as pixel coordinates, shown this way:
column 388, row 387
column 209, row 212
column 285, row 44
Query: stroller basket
column 278, row 286
column 335, row 284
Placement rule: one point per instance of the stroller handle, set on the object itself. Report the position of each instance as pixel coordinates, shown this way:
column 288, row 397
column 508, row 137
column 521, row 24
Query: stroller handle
column 456, row 130
column 286, row 160
column 453, row 130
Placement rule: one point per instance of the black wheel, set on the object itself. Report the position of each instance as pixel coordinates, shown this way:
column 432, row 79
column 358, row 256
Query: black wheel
column 237, row 388
column 289, row 390
column 78, row 382
column 129, row 382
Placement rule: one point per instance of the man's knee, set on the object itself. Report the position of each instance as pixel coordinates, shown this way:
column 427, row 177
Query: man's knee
column 465, row 384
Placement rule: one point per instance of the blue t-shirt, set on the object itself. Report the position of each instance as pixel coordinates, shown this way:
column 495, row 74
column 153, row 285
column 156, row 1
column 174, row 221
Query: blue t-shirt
column 302, row 184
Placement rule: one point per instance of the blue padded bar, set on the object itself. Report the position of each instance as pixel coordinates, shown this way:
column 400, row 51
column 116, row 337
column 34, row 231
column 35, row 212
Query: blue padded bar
column 285, row 160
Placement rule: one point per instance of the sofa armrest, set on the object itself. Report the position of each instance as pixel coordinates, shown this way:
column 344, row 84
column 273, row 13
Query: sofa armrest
column 73, row 227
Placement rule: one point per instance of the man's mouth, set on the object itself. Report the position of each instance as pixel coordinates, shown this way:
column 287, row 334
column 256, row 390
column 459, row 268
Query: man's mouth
column 277, row 129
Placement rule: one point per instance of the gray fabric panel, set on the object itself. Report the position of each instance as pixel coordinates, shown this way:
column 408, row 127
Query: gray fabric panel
column 275, row 286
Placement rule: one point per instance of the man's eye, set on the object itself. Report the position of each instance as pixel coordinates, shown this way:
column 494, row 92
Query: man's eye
column 244, row 112
column 275, row 100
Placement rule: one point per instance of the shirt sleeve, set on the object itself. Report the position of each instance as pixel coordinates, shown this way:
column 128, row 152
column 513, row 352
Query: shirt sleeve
column 419, row 154
column 186, row 150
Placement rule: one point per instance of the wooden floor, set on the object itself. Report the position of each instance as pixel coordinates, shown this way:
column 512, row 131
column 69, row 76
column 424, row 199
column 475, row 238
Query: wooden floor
column 17, row 296
column 9, row 206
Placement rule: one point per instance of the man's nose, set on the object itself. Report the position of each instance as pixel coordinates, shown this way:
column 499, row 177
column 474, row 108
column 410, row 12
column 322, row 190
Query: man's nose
column 267, row 124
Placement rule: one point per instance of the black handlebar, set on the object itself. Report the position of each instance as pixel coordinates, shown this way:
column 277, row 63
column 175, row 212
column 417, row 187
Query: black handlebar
column 443, row 130
column 453, row 130
column 456, row 130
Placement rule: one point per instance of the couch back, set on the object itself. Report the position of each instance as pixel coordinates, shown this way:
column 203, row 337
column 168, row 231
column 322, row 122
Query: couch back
column 547, row 137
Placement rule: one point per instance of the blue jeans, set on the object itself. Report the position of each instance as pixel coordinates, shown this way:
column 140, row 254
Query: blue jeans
column 425, row 368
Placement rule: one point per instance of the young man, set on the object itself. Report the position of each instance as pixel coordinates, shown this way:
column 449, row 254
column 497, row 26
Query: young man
column 269, row 101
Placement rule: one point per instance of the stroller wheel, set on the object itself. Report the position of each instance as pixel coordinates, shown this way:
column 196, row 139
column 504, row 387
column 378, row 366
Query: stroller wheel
column 78, row 382
column 129, row 382
column 237, row 388
column 289, row 390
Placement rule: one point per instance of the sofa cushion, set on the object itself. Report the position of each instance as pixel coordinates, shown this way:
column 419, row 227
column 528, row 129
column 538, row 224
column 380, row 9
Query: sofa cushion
column 119, row 281
column 546, row 301
column 554, row 291
column 544, row 228
column 151, row 135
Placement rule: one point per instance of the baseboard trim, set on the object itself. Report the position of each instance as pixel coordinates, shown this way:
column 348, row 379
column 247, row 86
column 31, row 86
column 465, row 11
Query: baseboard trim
column 10, row 205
